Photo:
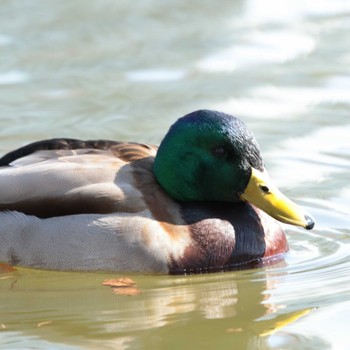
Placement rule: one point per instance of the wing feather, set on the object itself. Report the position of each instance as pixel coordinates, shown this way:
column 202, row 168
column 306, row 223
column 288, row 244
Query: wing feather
column 67, row 176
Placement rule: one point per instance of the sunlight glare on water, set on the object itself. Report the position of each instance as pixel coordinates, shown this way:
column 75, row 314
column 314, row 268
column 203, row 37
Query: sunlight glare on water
column 127, row 71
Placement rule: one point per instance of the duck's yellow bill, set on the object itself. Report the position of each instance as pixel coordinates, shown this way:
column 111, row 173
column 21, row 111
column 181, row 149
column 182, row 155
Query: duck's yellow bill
column 261, row 192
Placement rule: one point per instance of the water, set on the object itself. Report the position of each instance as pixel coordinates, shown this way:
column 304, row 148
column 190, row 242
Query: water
column 125, row 71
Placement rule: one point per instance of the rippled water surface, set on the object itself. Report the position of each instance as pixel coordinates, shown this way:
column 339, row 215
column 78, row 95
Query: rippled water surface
column 125, row 71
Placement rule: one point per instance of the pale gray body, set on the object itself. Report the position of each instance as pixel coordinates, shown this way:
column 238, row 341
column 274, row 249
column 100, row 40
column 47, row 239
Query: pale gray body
column 127, row 239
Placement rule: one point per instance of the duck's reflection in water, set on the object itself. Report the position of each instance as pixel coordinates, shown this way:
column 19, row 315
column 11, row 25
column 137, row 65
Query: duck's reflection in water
column 169, row 309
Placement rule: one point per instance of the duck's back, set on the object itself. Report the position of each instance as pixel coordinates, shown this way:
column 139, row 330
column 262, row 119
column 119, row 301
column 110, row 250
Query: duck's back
column 75, row 205
column 65, row 176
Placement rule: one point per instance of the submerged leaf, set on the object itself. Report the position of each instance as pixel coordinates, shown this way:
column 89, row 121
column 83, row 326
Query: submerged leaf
column 6, row 268
column 127, row 291
column 41, row 324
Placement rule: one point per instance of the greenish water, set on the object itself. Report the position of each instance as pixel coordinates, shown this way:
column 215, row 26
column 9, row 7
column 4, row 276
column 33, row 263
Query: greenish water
column 125, row 71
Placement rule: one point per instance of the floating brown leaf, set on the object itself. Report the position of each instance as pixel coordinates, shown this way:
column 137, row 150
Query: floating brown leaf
column 119, row 282
column 122, row 286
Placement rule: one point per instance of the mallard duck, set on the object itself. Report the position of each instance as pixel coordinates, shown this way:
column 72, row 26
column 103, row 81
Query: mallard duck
column 202, row 201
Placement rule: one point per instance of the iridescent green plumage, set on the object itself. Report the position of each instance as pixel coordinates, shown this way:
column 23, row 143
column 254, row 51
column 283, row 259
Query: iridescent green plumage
column 208, row 156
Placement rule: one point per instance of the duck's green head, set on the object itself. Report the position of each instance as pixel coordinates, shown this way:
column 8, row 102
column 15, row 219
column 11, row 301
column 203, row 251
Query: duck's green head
column 212, row 156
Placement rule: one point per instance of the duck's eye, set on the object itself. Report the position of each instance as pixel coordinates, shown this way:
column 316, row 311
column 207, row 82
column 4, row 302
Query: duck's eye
column 264, row 188
column 219, row 152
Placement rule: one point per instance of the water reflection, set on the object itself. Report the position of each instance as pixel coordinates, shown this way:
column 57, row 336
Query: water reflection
column 324, row 333
column 266, row 47
column 83, row 307
column 155, row 75
column 291, row 10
